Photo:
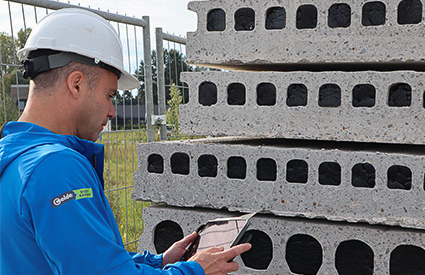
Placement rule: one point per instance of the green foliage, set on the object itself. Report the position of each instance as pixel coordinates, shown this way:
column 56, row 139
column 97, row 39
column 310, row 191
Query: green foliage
column 174, row 64
column 125, row 98
column 8, row 50
column 173, row 111
column 120, row 164
column 11, row 73
column 7, row 56
column 10, row 107
column 22, row 38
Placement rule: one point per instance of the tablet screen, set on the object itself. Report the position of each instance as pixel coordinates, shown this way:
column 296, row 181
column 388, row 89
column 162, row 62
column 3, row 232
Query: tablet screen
column 222, row 232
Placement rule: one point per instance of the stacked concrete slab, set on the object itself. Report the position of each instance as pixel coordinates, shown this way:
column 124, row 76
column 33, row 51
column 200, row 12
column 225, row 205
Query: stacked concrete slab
column 299, row 246
column 345, row 106
column 332, row 158
column 334, row 181
column 321, row 34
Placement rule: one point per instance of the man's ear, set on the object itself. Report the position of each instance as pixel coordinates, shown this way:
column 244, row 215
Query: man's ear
column 74, row 83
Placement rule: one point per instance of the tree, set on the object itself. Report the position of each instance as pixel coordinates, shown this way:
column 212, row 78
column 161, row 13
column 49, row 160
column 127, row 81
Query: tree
column 124, row 98
column 174, row 103
column 174, row 64
column 11, row 73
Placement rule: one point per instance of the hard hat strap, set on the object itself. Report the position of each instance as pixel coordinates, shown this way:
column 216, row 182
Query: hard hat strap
column 37, row 65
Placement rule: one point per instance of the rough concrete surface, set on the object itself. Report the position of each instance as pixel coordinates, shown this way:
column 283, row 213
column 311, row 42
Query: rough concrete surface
column 346, row 106
column 358, row 34
column 377, row 184
column 299, row 246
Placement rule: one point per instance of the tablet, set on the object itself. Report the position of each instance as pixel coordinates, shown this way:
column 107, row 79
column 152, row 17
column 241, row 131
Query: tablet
column 226, row 232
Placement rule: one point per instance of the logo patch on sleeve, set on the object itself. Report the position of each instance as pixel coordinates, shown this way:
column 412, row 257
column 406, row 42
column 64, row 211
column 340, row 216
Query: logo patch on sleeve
column 77, row 194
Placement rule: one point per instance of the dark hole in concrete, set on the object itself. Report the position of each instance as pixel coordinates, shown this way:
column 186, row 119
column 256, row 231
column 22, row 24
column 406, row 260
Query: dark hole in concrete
column 303, row 254
column 297, row 95
column 407, row 259
column 236, row 94
column 207, row 166
column 306, row 17
column 363, row 175
column 364, row 95
column 354, row 257
column 400, row 95
column 409, row 12
column 329, row 173
column 339, row 16
column 297, row 171
column 261, row 253
column 266, row 94
column 330, row 95
column 266, row 169
column 245, row 19
column 166, row 233
column 216, row 20
column 276, row 18
column 373, row 14
column 155, row 164
column 399, row 177
column 180, row 163
column 207, row 94
column 236, row 168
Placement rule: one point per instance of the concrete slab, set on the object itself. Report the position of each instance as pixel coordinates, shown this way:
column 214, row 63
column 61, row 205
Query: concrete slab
column 298, row 246
column 318, row 35
column 345, row 106
column 353, row 182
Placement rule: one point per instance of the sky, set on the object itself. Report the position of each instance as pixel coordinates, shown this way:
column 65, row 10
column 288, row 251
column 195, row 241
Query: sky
column 171, row 15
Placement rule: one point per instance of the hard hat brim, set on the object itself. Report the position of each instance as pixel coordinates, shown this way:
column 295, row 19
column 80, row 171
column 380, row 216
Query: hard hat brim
column 127, row 81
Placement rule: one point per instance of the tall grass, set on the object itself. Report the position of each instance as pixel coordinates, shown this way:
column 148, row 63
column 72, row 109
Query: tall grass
column 120, row 164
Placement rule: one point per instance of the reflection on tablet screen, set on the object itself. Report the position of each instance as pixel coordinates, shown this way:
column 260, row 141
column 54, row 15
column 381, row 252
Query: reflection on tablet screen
column 226, row 232
column 219, row 234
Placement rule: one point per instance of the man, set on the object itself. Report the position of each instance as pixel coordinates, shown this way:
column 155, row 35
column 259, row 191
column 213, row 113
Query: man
column 55, row 217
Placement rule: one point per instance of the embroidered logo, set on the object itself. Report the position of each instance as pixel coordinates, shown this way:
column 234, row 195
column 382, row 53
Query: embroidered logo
column 77, row 194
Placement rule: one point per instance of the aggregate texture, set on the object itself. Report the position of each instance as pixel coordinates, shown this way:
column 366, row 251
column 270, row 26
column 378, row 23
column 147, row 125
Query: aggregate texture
column 355, row 182
column 369, row 106
column 300, row 246
column 299, row 35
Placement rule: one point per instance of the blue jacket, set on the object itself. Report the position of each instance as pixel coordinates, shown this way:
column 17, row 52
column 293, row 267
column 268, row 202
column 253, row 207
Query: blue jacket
column 54, row 216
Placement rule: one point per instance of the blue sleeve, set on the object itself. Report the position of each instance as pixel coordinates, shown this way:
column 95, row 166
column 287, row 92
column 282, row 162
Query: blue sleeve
column 65, row 208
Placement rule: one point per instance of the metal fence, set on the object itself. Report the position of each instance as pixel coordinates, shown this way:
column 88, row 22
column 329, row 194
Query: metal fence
column 169, row 56
column 119, row 140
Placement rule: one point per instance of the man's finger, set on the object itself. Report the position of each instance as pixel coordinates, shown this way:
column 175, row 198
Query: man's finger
column 232, row 266
column 187, row 240
column 215, row 249
column 236, row 250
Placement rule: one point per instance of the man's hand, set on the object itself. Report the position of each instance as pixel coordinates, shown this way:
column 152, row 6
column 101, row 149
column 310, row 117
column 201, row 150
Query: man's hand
column 177, row 250
column 216, row 261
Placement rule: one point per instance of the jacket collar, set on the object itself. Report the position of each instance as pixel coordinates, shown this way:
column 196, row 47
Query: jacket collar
column 18, row 137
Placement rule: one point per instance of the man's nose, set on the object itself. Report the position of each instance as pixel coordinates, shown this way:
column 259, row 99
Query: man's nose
column 112, row 113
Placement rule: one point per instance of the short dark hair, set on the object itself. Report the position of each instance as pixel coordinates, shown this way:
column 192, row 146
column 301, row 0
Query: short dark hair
column 49, row 79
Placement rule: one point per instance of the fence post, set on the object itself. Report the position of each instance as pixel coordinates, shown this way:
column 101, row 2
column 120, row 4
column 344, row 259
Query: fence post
column 148, row 80
column 162, row 107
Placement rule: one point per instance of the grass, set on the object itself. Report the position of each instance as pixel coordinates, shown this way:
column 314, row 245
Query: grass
column 120, row 164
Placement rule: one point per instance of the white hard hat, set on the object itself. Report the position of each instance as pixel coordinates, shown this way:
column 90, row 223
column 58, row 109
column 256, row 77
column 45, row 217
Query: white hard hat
column 79, row 33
